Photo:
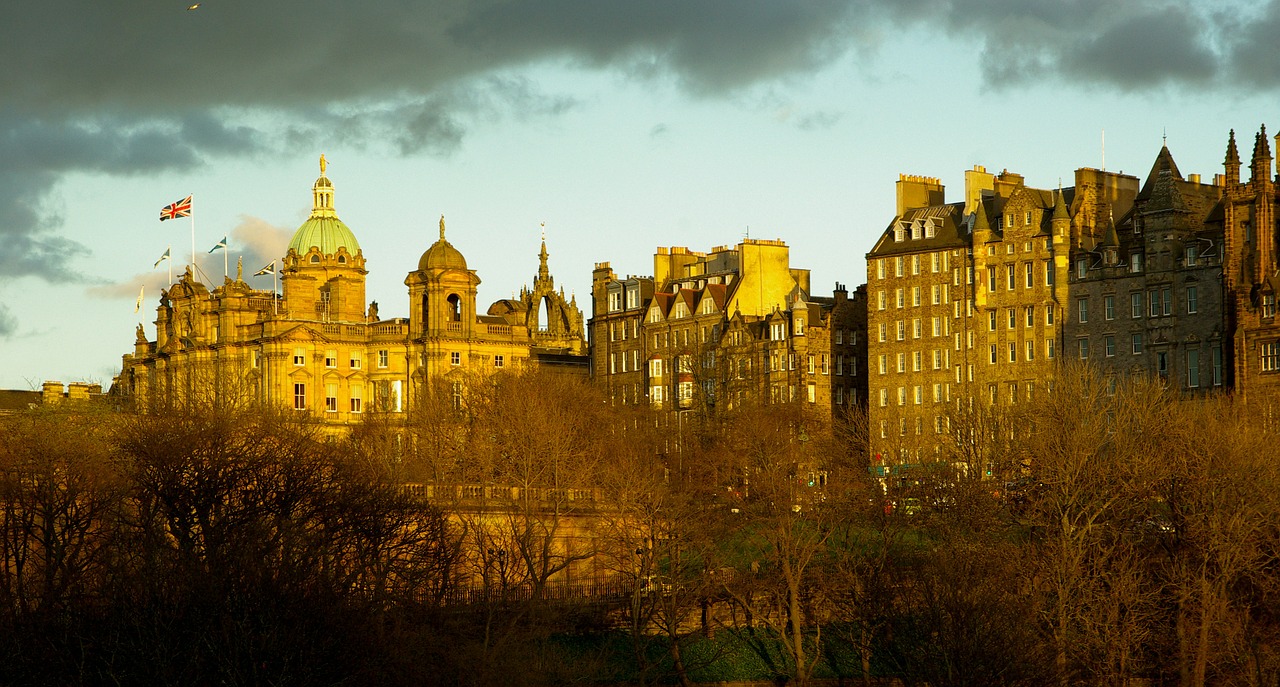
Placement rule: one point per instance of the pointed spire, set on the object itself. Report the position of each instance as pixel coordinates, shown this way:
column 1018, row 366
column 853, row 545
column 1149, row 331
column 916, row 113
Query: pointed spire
column 980, row 221
column 1231, row 164
column 1060, row 206
column 543, row 272
column 1260, row 167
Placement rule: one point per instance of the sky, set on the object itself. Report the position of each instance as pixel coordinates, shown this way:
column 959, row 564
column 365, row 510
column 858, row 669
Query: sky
column 621, row 126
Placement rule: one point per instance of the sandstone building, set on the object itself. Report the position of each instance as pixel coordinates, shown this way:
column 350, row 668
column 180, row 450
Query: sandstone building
column 319, row 347
column 737, row 324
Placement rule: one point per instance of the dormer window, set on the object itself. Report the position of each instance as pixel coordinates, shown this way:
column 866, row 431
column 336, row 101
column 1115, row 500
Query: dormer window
column 1192, row 255
column 930, row 230
column 1268, row 305
column 917, row 229
column 342, row 259
column 315, row 259
column 899, row 234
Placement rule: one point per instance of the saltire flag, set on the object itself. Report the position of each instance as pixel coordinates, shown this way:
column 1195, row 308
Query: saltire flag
column 162, row 258
column 269, row 269
column 181, row 208
column 221, row 245
column 138, row 306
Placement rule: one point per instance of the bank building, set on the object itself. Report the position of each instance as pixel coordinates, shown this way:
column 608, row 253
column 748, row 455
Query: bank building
column 318, row 346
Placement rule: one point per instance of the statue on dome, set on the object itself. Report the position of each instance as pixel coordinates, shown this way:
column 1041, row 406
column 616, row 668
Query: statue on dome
column 323, row 164
column 441, row 227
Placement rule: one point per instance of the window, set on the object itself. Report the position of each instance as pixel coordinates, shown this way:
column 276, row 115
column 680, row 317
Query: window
column 1153, row 303
column 1083, row 345
column 937, row 359
column 902, row 396
column 933, row 256
column 915, row 264
column 1028, row 218
column 880, row 299
column 1048, row 349
column 1082, row 268
column 915, row 361
column 354, row 360
column 902, row 330
column 919, row 395
column 993, row 354
column 1135, row 304
column 1270, row 356
column 499, row 361
column 1166, row 301
column 1048, row 273
column 883, row 328
column 1109, row 307
column 1013, row 318
column 826, row 365
column 257, row 359
column 1162, row 364
column 299, row 356
column 812, row 364
column 1030, row 316
column 901, row 300
column 884, row 397
column 655, row 367
column 1193, row 369
column 299, row 396
column 383, row 358
column 1109, row 345
column 356, row 400
column 1013, row 352
column 839, row 336
column 1135, row 263
column 883, row 364
column 991, row 320
column 1029, row 268
column 915, row 296
column 1191, row 299
column 991, row 279
column 880, row 268
column 1082, row 304
column 1217, row 364
column 1031, row 350
column 1048, row 314
column 330, row 398
column 897, row 266
column 330, row 358
column 1192, row 255
column 1010, row 277
column 455, row 358
column 813, row 397
column 1137, row 344
column 1268, row 305
column 902, row 362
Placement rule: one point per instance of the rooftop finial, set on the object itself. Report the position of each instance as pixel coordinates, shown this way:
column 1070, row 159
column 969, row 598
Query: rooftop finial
column 441, row 227
column 323, row 164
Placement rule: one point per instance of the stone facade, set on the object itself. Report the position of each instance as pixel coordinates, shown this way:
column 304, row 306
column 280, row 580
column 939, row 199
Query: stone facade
column 318, row 348
column 717, row 329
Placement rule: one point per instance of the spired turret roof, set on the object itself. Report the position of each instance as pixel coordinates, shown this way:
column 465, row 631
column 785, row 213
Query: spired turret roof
column 323, row 229
column 442, row 255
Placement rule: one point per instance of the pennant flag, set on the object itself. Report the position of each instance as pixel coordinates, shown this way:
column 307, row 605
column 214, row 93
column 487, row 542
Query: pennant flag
column 181, row 208
column 138, row 306
column 269, row 269
column 162, row 258
column 221, row 244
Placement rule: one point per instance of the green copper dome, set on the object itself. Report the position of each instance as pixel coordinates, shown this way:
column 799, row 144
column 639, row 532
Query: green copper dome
column 323, row 229
column 326, row 232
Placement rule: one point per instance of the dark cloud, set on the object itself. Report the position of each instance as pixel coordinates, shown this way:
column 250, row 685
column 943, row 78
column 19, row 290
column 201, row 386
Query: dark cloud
column 139, row 88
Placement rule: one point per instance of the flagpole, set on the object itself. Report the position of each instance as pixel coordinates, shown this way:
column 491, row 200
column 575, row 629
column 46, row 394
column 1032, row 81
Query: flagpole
column 226, row 274
column 168, row 252
column 193, row 235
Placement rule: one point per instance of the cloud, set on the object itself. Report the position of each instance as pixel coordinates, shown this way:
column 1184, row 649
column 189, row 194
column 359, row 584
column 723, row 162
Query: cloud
column 254, row 240
column 141, row 88
column 8, row 323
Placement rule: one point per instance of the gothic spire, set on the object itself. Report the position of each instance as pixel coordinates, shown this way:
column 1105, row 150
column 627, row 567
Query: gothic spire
column 1231, row 163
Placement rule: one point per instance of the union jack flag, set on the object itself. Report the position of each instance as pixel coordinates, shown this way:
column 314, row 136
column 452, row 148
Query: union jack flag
column 181, row 208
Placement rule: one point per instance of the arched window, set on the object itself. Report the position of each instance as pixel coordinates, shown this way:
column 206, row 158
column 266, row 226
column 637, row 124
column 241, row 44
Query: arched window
column 342, row 259
column 544, row 313
column 455, row 308
column 315, row 259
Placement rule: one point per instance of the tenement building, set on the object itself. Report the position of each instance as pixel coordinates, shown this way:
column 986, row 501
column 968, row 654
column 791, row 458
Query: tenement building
column 967, row 298
column 1145, row 287
column 735, row 325
column 318, row 347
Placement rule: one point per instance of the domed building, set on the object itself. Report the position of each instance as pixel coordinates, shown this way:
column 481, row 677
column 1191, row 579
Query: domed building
column 317, row 346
